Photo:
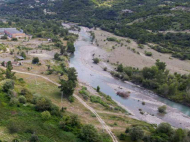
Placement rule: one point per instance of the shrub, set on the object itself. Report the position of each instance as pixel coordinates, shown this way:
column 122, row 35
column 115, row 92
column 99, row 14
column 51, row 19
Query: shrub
column 71, row 99
column 141, row 46
column 4, row 37
column 89, row 134
column 22, row 99
column 46, row 115
column 162, row 109
column 136, row 133
column 143, row 103
column 34, row 138
column 96, row 60
column 105, row 68
column 122, row 136
column 43, row 104
column 112, row 39
column 120, row 68
column 164, row 128
column 23, row 55
column 14, row 39
column 13, row 102
column 148, row 53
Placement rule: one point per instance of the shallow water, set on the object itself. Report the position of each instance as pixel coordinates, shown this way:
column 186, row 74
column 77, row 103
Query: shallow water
column 94, row 76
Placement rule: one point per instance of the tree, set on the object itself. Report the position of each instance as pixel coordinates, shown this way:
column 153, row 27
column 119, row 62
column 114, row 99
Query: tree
column 136, row 133
column 89, row 134
column 67, row 87
column 8, row 85
column 56, row 56
column 164, row 128
column 160, row 65
column 62, row 50
column 98, row 89
column 149, row 73
column 72, row 74
column 70, row 47
column 35, row 60
column 3, row 63
column 23, row 55
column 9, row 65
column 179, row 135
column 71, row 124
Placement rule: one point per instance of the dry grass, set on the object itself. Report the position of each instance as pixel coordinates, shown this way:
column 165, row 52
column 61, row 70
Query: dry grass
column 41, row 87
column 123, row 52
column 5, row 135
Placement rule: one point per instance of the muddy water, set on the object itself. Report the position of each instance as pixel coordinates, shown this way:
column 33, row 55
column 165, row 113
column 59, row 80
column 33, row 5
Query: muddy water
column 177, row 114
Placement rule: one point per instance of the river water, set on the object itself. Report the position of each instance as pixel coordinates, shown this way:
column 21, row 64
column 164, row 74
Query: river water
column 177, row 114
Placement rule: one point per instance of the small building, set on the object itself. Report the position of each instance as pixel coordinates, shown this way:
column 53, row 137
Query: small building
column 19, row 57
column 14, row 33
column 13, row 64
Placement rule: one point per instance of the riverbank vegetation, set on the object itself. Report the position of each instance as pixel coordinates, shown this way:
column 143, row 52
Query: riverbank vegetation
column 163, row 133
column 102, row 99
column 172, row 86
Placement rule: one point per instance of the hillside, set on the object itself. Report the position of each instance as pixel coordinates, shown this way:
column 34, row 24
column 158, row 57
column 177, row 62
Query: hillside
column 143, row 21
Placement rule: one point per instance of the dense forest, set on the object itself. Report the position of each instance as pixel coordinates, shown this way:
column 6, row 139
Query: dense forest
column 143, row 21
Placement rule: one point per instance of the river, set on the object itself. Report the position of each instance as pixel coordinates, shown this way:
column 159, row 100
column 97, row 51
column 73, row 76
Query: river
column 89, row 73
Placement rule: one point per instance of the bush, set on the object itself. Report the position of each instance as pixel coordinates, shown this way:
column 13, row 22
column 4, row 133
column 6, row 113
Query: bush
column 96, row 60
column 13, row 102
column 9, row 84
column 13, row 128
column 89, row 134
column 71, row 99
column 136, row 133
column 162, row 109
column 43, row 104
column 46, row 115
column 112, row 39
column 22, row 99
column 148, row 53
